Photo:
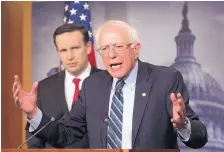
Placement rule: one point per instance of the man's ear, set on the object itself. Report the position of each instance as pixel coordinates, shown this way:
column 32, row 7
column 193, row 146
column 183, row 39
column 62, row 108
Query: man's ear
column 137, row 49
column 89, row 47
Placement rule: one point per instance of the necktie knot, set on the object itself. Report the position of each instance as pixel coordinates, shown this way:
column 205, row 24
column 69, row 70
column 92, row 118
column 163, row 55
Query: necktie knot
column 76, row 81
column 120, row 84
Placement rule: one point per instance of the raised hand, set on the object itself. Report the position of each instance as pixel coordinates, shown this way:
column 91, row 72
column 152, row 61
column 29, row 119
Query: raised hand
column 179, row 111
column 26, row 101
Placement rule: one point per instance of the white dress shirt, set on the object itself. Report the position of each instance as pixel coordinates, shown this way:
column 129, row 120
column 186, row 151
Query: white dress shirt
column 70, row 86
column 128, row 106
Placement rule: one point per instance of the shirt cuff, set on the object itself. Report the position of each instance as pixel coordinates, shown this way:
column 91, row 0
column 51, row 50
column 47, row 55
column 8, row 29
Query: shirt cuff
column 35, row 122
column 185, row 132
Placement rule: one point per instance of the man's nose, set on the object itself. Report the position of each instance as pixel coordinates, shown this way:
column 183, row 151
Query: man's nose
column 111, row 53
column 70, row 55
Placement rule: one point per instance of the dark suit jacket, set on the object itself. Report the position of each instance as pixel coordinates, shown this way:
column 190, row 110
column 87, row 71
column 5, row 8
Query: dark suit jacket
column 51, row 100
column 151, row 118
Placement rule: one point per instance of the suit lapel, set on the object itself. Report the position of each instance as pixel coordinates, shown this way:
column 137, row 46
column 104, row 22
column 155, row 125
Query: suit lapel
column 142, row 91
column 60, row 92
column 104, row 99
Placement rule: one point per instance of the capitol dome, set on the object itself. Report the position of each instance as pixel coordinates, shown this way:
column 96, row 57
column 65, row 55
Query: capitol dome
column 205, row 94
column 200, row 85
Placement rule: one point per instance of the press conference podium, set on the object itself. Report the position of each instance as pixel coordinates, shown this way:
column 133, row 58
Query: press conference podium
column 89, row 150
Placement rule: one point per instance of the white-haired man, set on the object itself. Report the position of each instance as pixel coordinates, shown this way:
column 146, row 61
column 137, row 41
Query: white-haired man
column 130, row 105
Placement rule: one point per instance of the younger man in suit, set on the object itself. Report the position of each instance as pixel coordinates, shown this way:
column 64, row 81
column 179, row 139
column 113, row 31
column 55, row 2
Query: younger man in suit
column 59, row 92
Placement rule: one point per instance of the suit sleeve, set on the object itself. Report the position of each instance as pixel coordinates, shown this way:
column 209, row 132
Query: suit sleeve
column 69, row 129
column 198, row 137
column 36, row 142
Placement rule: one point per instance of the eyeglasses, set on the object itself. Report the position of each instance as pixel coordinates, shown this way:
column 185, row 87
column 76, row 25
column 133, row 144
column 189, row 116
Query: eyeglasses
column 117, row 48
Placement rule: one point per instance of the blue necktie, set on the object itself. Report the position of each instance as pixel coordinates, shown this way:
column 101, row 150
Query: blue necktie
column 114, row 132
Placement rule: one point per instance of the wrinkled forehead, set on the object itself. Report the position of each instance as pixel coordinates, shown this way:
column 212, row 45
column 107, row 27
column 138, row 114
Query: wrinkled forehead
column 113, row 34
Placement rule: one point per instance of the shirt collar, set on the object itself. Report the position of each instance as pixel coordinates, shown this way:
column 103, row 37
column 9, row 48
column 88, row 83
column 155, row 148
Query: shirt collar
column 69, row 77
column 130, row 79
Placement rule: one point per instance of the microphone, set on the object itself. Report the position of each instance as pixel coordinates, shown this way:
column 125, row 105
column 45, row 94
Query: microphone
column 51, row 120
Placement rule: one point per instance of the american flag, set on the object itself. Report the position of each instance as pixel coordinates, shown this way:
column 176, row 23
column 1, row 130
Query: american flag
column 79, row 12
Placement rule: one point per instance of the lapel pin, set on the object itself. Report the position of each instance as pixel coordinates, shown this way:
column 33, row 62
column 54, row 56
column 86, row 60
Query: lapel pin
column 143, row 94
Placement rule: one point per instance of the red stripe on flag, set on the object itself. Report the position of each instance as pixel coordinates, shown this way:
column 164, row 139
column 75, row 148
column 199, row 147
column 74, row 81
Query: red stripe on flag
column 92, row 58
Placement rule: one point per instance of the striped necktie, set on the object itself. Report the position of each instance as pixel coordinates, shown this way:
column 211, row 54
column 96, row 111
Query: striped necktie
column 114, row 132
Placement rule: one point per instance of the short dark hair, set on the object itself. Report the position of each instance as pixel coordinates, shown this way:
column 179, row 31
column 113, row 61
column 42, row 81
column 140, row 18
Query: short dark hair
column 71, row 28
